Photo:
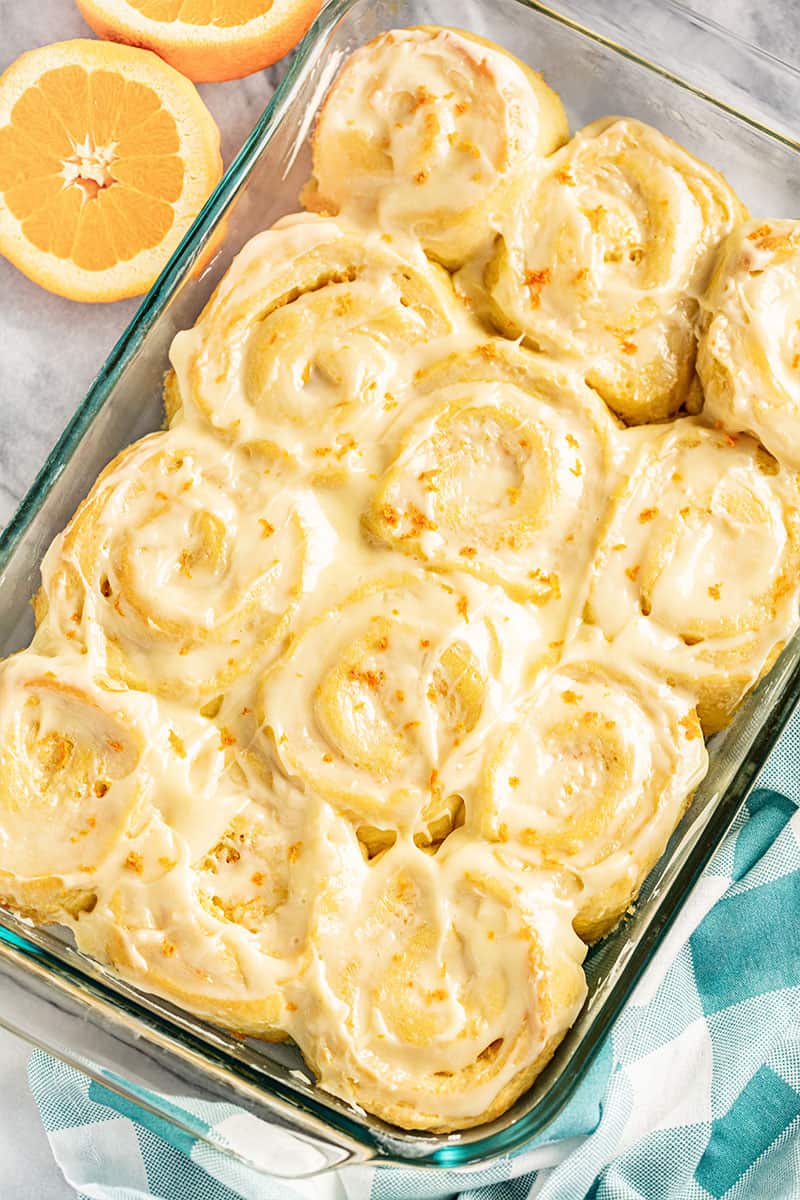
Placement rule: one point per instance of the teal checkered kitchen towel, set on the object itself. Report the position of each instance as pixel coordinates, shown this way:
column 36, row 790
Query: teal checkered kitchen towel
column 696, row 1095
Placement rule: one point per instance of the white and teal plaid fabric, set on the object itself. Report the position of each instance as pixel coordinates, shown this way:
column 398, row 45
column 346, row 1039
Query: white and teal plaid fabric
column 696, row 1095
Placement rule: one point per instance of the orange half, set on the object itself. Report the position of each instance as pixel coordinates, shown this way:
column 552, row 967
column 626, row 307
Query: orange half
column 106, row 156
column 208, row 40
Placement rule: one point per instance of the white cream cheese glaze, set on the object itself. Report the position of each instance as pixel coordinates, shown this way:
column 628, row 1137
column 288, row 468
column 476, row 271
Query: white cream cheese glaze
column 227, row 591
column 361, row 687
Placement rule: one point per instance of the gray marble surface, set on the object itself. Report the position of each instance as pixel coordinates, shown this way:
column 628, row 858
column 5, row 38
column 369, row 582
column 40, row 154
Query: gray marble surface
column 50, row 349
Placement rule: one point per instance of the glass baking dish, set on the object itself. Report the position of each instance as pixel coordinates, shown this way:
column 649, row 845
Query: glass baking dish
column 142, row 1048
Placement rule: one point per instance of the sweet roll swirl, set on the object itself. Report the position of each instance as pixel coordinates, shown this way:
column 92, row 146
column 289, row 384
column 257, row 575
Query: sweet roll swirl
column 308, row 341
column 183, row 564
column 505, row 476
column 432, row 130
column 223, row 931
column 697, row 572
column 606, row 263
column 592, row 775
column 374, row 704
column 73, row 780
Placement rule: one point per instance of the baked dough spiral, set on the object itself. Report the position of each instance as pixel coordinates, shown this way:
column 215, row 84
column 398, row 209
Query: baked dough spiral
column 698, row 573
column 592, row 775
column 308, row 340
column 73, row 779
column 749, row 356
column 442, row 992
column 505, row 476
column 183, row 564
column 431, row 130
column 222, row 934
column 373, row 703
column 607, row 261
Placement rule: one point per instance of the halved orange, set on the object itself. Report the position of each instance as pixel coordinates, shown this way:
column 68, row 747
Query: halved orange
column 106, row 156
column 208, row 40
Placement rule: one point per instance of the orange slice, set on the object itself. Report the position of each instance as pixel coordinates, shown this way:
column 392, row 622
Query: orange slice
column 106, row 157
column 208, row 40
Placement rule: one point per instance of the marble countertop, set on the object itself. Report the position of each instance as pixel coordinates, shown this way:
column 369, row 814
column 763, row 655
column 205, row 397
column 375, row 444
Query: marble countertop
column 50, row 350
